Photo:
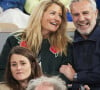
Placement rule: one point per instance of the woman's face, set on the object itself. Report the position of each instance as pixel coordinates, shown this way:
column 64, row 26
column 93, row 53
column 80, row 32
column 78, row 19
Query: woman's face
column 52, row 19
column 20, row 67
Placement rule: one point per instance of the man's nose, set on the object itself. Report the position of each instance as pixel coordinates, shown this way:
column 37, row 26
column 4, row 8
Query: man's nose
column 81, row 17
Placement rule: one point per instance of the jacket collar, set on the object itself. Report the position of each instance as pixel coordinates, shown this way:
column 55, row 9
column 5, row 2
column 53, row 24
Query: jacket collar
column 95, row 35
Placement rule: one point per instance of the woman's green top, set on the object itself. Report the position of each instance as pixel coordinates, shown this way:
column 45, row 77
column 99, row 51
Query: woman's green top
column 50, row 62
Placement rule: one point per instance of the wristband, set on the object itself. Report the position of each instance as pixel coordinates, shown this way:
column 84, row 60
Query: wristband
column 75, row 77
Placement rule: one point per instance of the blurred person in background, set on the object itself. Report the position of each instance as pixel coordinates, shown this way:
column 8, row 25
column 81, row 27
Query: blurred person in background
column 12, row 11
column 30, row 5
column 8, row 4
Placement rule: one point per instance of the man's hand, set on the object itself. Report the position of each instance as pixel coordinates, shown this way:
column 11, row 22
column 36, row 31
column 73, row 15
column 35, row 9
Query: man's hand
column 86, row 87
column 68, row 71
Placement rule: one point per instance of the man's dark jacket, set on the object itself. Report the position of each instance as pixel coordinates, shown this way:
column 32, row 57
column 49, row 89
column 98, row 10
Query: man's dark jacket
column 87, row 59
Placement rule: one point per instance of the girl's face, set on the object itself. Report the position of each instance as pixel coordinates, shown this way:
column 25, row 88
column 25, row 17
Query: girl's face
column 52, row 19
column 20, row 67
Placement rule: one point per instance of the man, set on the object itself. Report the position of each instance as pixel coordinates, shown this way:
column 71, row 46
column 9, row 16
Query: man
column 86, row 46
column 47, row 83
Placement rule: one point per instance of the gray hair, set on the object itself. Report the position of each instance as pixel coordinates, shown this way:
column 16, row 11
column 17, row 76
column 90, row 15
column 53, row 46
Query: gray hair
column 54, row 81
column 92, row 2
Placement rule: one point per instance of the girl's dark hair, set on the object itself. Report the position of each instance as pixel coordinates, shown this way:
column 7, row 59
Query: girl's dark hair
column 36, row 71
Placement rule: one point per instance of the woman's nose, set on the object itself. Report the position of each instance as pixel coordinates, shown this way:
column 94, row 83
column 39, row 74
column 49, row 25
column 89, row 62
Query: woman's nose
column 18, row 66
column 57, row 17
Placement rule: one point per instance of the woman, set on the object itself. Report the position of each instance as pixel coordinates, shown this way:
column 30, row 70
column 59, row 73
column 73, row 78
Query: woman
column 21, row 67
column 45, row 36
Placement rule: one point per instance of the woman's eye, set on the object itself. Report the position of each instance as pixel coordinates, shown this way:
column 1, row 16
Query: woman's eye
column 13, row 64
column 52, row 13
column 23, row 63
column 60, row 16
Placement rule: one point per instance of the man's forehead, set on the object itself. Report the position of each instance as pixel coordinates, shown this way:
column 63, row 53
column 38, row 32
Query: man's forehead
column 81, row 6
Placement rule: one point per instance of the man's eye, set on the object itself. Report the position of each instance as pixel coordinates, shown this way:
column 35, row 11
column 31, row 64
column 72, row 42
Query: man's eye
column 86, row 13
column 75, row 14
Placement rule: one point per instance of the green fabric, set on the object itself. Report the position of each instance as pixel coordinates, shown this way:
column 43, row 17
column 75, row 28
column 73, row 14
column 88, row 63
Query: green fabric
column 50, row 63
column 30, row 5
column 66, row 3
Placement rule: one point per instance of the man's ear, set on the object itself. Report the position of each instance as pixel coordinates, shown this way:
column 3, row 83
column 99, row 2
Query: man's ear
column 96, row 13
